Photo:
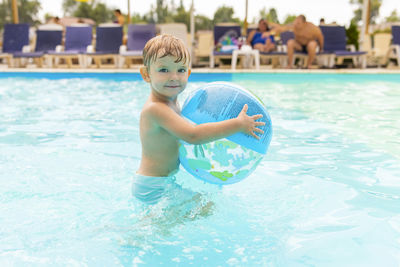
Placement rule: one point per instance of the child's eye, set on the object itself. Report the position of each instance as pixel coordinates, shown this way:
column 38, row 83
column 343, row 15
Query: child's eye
column 182, row 70
column 163, row 70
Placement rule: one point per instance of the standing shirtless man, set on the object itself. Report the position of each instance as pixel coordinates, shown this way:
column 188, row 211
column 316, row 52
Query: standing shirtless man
column 307, row 37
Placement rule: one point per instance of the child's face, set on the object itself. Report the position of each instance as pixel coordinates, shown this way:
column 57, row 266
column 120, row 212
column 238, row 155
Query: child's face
column 167, row 77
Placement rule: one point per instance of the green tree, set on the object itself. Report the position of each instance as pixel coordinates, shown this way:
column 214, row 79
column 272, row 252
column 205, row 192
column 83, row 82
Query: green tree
column 182, row 15
column 5, row 14
column 27, row 12
column 225, row 14
column 101, row 13
column 69, row 7
column 136, row 18
column 263, row 13
column 289, row 19
column 272, row 16
column 84, row 10
column 161, row 11
column 393, row 17
column 94, row 10
column 374, row 10
column 352, row 34
column 203, row 23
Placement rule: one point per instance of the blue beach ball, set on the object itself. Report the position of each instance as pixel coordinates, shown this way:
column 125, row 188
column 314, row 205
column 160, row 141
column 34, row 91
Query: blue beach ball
column 228, row 160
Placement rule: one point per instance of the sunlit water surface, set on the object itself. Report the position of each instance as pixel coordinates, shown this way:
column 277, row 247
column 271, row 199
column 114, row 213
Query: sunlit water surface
column 326, row 194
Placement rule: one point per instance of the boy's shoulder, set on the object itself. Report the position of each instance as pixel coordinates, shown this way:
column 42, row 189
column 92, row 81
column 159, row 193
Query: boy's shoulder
column 155, row 109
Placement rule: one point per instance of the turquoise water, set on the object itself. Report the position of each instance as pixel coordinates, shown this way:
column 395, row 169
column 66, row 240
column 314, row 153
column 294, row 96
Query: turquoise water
column 326, row 194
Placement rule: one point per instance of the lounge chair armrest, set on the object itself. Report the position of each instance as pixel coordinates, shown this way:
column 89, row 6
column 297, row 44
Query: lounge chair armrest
column 351, row 47
column 122, row 49
column 394, row 50
column 90, row 49
column 27, row 49
column 59, row 48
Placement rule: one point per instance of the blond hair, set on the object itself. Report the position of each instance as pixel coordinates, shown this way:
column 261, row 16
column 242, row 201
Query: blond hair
column 165, row 45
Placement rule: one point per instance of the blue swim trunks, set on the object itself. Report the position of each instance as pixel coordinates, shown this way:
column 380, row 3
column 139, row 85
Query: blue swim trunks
column 150, row 190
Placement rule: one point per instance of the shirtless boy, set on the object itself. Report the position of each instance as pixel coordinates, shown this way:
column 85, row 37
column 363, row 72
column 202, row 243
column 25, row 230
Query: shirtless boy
column 166, row 69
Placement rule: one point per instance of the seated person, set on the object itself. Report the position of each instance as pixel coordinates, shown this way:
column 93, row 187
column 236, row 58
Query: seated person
column 261, row 38
column 307, row 37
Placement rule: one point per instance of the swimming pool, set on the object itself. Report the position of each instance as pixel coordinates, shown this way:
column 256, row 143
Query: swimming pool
column 326, row 194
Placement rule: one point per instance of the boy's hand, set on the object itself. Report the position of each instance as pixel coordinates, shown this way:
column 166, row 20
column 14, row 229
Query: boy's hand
column 249, row 124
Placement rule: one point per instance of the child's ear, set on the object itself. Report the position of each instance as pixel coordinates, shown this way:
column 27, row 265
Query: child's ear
column 145, row 74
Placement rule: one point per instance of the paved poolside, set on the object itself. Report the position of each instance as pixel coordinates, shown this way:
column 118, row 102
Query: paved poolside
column 210, row 70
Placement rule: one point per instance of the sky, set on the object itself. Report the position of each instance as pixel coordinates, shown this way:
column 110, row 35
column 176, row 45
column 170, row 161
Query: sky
column 340, row 11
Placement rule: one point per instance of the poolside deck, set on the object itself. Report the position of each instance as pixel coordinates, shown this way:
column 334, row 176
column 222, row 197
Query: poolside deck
column 209, row 70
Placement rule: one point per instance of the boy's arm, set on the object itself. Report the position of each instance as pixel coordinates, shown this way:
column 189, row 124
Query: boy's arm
column 168, row 119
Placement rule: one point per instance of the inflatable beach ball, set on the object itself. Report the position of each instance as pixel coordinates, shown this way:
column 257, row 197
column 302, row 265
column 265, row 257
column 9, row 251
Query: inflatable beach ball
column 228, row 160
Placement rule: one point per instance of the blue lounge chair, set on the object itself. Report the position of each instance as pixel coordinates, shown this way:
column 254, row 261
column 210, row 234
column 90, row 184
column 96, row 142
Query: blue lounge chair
column 394, row 50
column 108, row 42
column 335, row 43
column 15, row 37
column 46, row 41
column 220, row 32
column 138, row 35
column 77, row 39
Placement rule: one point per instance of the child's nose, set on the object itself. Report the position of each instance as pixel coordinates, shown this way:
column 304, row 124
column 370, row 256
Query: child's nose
column 174, row 75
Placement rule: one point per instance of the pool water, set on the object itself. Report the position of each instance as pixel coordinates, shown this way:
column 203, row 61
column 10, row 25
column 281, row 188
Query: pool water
column 326, row 194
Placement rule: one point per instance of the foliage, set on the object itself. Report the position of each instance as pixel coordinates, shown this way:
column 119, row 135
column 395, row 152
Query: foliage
column 270, row 16
column 289, row 19
column 374, row 10
column 225, row 14
column 27, row 12
column 393, row 17
column 352, row 34
column 181, row 15
column 162, row 12
column 98, row 12
column 136, row 18
column 69, row 7
column 203, row 23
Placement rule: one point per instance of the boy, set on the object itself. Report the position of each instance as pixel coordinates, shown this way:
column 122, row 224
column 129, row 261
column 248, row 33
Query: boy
column 166, row 68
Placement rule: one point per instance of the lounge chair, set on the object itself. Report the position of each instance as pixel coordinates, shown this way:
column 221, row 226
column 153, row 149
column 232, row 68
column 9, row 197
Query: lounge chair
column 15, row 37
column 203, row 47
column 108, row 42
column 335, row 43
column 381, row 47
column 220, row 32
column 394, row 50
column 46, row 40
column 178, row 30
column 138, row 35
column 77, row 39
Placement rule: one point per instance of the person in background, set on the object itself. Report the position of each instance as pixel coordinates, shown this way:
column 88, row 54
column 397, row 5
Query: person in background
column 120, row 19
column 261, row 38
column 307, row 38
column 322, row 21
